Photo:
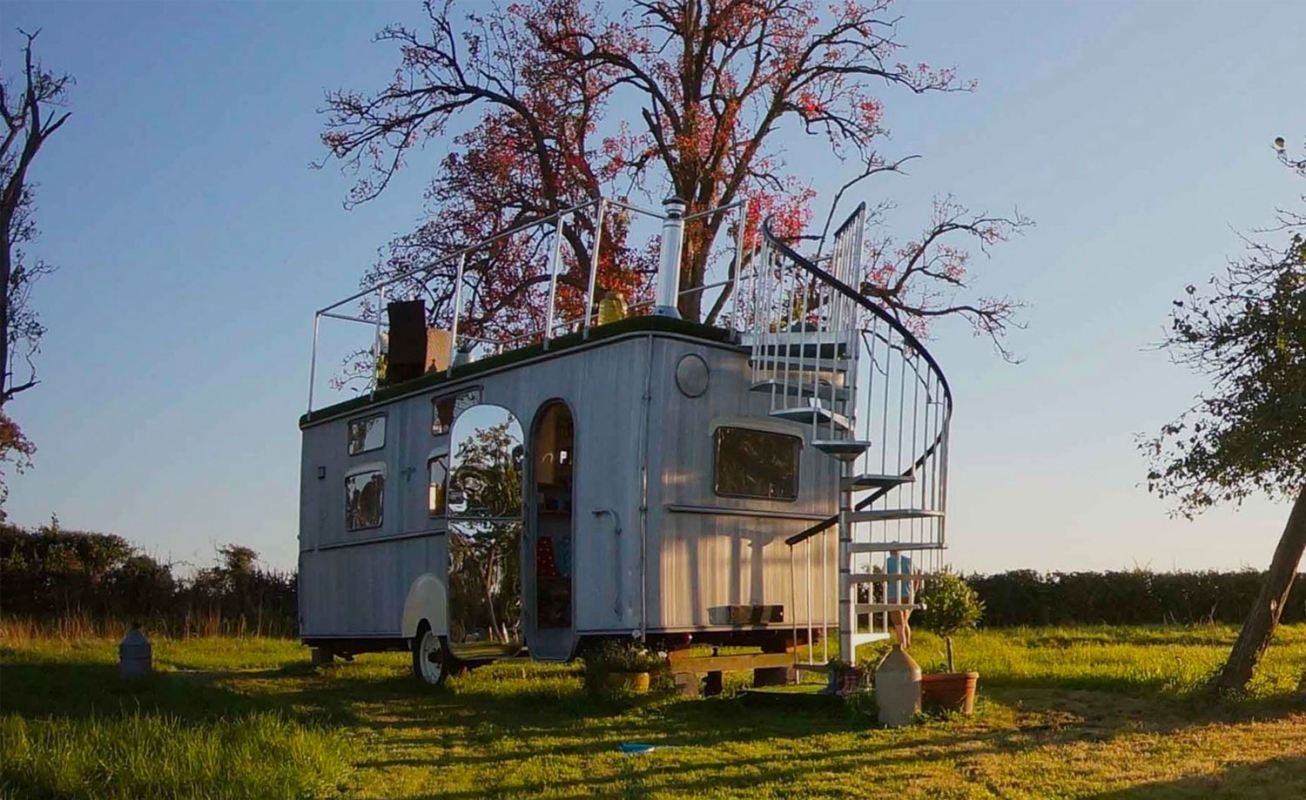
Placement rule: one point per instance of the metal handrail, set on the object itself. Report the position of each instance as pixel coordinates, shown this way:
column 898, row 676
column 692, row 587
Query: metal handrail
column 940, row 442
column 557, row 219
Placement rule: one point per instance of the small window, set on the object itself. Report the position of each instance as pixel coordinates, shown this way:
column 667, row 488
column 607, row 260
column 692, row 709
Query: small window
column 366, row 434
column 438, row 471
column 753, row 463
column 363, row 495
column 446, row 408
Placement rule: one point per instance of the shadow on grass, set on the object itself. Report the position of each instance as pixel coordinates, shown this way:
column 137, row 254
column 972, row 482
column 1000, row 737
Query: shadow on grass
column 487, row 716
column 1273, row 778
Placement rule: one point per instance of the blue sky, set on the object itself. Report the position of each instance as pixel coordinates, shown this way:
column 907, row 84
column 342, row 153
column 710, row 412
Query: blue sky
column 194, row 243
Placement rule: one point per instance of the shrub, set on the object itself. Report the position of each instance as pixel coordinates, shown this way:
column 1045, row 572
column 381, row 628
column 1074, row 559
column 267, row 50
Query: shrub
column 951, row 605
column 613, row 656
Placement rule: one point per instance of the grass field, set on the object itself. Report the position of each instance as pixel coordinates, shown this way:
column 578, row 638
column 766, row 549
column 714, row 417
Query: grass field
column 1065, row 712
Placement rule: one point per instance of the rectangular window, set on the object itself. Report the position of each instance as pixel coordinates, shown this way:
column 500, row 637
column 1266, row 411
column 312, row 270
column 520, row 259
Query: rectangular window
column 438, row 472
column 446, row 408
column 753, row 463
column 366, row 434
column 363, row 495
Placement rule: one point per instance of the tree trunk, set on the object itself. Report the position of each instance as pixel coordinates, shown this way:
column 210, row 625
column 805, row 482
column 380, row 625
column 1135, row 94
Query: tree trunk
column 1259, row 626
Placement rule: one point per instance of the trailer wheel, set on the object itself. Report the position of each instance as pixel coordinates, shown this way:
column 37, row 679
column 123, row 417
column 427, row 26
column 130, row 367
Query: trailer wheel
column 431, row 661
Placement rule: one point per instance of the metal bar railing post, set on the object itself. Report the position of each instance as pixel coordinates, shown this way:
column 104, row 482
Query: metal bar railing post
column 312, row 365
column 553, row 281
column 594, row 269
column 810, row 648
column 457, row 310
column 376, row 342
column 825, row 595
column 793, row 596
column 739, row 266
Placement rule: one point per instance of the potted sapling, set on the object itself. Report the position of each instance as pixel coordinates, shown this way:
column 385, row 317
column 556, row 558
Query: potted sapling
column 951, row 606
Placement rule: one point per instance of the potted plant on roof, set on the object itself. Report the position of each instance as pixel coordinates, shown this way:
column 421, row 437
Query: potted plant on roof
column 951, row 606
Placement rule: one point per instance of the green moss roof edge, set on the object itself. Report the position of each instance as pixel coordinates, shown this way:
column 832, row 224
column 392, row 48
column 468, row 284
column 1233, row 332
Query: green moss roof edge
column 647, row 324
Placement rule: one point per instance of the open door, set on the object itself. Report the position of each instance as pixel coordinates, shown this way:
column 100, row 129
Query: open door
column 484, row 509
column 549, row 555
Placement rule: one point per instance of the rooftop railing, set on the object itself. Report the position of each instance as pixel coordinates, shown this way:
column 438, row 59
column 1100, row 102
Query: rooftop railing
column 551, row 316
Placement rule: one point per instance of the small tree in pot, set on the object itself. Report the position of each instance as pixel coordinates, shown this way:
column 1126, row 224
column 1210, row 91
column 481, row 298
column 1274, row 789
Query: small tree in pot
column 951, row 606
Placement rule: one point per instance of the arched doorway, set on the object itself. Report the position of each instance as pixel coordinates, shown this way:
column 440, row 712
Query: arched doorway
column 484, row 501
column 550, row 552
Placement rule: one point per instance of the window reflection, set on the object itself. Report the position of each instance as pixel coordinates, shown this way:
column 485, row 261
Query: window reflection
column 447, row 408
column 438, row 472
column 363, row 495
column 753, row 463
column 366, row 434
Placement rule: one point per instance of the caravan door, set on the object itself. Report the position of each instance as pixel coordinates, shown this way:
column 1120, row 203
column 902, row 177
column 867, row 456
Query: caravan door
column 548, row 551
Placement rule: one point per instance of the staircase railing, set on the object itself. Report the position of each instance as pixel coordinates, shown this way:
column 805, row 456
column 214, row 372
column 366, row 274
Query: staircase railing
column 875, row 396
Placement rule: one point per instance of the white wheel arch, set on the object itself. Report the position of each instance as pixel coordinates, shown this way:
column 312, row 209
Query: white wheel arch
column 427, row 600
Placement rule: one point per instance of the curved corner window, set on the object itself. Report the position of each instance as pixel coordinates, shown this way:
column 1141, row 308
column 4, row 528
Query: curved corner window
column 363, row 495
column 437, row 470
column 366, row 434
column 756, row 464
column 446, row 408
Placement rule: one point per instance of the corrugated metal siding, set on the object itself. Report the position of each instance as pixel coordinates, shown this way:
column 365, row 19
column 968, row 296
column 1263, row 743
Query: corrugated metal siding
column 695, row 561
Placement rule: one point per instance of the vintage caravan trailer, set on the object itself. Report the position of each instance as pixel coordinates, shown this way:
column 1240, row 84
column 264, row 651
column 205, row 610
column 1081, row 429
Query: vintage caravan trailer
column 635, row 476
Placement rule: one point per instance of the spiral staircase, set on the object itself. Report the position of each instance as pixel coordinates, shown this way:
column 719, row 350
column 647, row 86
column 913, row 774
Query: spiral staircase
column 828, row 356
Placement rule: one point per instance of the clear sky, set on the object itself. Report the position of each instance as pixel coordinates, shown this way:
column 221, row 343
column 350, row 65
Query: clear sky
column 194, row 243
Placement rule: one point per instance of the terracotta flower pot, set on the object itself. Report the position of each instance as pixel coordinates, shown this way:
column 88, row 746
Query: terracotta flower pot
column 950, row 691
column 633, row 682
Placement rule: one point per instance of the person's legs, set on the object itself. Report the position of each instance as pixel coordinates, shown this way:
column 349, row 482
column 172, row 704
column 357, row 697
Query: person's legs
column 899, row 623
column 905, row 616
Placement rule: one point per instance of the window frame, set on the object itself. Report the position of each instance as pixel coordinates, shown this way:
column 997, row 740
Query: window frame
column 716, row 450
column 365, row 471
column 443, row 513
column 365, row 449
column 435, row 414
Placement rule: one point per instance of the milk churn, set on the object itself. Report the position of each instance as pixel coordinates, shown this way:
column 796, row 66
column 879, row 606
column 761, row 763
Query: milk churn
column 897, row 688
column 134, row 654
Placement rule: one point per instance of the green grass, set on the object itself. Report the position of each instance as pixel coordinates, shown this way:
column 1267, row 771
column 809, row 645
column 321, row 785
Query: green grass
column 1064, row 712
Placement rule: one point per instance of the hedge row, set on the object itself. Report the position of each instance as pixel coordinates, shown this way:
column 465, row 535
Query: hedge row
column 49, row 574
column 1136, row 597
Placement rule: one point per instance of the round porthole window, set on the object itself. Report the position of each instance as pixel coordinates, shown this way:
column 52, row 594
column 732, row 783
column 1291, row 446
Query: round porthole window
column 691, row 375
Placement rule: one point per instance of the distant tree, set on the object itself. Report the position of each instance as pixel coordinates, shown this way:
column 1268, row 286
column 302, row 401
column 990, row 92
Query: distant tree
column 15, row 449
column 31, row 117
column 28, row 124
column 1247, row 331
column 523, row 94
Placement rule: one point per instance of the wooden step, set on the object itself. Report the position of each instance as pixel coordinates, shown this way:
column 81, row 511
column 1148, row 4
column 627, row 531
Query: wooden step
column 886, row 514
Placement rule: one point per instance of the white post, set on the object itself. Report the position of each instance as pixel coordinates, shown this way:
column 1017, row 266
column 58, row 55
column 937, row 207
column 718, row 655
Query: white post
column 673, row 234
column 594, row 269
column 847, row 608
column 553, row 280
column 312, row 365
column 376, row 341
column 457, row 308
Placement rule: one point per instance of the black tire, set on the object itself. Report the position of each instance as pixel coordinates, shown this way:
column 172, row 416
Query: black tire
column 431, row 659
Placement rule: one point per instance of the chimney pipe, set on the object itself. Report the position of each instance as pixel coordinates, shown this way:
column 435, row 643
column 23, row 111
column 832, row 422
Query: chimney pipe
column 673, row 234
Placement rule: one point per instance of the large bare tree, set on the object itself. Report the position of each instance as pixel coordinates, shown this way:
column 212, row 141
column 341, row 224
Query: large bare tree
column 525, row 97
